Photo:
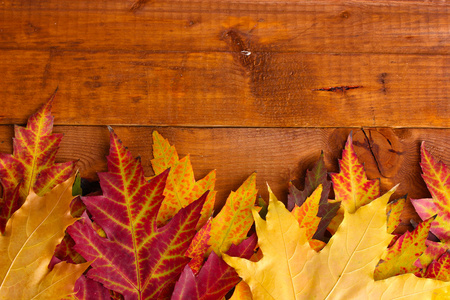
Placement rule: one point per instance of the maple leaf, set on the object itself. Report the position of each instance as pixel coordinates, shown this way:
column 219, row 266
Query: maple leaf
column 439, row 269
column 336, row 221
column 181, row 187
column 400, row 258
column 394, row 210
column 229, row 227
column 137, row 259
column 306, row 215
column 314, row 177
column 351, row 186
column 433, row 252
column 233, row 222
column 342, row 270
column 216, row 277
column 32, row 165
column 327, row 210
column 27, row 247
column 198, row 247
column 437, row 178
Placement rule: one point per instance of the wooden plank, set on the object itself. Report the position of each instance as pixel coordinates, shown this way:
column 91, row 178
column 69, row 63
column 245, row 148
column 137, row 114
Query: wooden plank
column 277, row 155
column 227, row 89
column 274, row 26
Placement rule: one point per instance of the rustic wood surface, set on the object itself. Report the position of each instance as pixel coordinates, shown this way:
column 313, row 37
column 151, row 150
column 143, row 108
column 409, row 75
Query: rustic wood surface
column 214, row 89
column 242, row 86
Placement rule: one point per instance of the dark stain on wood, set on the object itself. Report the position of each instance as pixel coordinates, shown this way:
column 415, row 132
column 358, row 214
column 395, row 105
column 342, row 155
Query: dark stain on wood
column 341, row 88
column 276, row 82
column 93, row 83
column 138, row 4
column 242, row 51
column 382, row 80
column 31, row 28
column 136, row 99
column 344, row 15
column 193, row 22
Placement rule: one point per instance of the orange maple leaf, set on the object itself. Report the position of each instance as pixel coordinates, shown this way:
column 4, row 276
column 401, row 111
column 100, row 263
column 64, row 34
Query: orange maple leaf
column 181, row 187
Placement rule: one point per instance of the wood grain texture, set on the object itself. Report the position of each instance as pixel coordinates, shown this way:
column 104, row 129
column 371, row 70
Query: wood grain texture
column 278, row 26
column 222, row 89
column 227, row 63
column 278, row 155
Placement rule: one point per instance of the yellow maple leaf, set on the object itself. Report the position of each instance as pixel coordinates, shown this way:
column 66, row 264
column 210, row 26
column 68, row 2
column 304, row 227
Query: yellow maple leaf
column 394, row 210
column 306, row 215
column 290, row 269
column 181, row 187
column 27, row 247
column 232, row 223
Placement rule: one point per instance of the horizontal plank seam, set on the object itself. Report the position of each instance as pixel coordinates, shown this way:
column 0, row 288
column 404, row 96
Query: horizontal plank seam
column 235, row 127
column 124, row 51
column 229, row 6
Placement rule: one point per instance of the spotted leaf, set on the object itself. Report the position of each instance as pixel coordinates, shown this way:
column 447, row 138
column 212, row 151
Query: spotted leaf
column 199, row 246
column 433, row 252
column 233, row 222
column 437, row 178
column 394, row 210
column 351, row 186
column 181, row 187
column 306, row 215
column 327, row 209
column 32, row 165
column 400, row 258
column 439, row 269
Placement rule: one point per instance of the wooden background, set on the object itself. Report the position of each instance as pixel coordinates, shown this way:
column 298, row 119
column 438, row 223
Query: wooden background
column 235, row 83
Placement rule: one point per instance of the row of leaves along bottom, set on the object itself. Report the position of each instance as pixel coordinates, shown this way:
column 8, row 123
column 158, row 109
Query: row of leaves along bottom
column 157, row 238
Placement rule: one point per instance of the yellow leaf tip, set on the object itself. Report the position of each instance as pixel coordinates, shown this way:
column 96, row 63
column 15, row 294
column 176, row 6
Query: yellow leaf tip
column 394, row 188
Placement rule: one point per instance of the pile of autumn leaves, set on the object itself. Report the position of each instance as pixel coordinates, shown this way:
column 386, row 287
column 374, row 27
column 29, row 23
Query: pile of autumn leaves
column 157, row 238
